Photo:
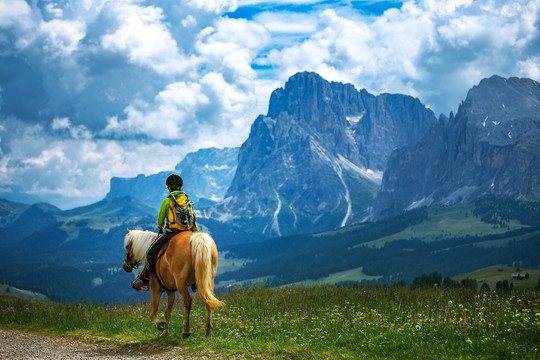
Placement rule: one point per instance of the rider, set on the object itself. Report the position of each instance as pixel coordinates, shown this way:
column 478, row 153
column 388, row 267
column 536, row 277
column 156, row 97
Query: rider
column 174, row 184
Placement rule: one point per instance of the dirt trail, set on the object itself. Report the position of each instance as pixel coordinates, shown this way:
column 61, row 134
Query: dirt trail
column 18, row 345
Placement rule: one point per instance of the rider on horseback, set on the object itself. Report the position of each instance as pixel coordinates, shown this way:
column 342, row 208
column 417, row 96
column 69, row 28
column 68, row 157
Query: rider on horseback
column 166, row 217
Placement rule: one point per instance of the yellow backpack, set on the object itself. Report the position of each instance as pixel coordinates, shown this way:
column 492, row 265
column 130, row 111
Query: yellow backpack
column 180, row 212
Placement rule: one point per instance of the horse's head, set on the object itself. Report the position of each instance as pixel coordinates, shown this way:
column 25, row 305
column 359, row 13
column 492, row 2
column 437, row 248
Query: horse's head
column 129, row 262
column 136, row 244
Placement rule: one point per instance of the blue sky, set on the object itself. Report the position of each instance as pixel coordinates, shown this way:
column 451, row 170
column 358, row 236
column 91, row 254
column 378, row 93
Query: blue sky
column 95, row 89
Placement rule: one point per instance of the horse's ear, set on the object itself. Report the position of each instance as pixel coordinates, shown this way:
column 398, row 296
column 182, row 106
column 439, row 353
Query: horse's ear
column 128, row 231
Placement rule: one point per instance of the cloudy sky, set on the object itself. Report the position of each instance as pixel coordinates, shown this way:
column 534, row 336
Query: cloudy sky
column 91, row 89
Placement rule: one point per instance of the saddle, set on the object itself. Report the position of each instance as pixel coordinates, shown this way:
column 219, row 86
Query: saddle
column 161, row 251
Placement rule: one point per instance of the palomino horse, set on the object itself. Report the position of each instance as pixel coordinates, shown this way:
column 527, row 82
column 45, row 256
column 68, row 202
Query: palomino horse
column 190, row 260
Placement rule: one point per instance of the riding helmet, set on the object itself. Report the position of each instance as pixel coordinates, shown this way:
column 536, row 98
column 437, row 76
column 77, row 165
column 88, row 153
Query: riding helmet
column 174, row 181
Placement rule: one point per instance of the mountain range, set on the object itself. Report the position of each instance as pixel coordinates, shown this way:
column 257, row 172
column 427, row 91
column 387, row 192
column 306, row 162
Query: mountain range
column 331, row 179
column 316, row 160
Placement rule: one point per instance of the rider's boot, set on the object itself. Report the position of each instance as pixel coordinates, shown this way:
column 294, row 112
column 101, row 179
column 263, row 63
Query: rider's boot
column 141, row 283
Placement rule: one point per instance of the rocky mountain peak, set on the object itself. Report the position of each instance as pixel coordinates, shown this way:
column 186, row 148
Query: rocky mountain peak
column 315, row 160
column 498, row 100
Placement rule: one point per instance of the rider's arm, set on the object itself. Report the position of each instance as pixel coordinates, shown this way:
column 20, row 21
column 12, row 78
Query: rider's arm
column 163, row 212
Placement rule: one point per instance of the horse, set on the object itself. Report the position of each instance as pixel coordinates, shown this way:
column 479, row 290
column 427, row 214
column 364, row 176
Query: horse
column 190, row 260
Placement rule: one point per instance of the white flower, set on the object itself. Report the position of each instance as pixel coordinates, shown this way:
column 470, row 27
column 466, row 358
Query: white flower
column 469, row 341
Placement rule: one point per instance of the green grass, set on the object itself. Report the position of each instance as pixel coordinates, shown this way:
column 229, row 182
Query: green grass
column 321, row 322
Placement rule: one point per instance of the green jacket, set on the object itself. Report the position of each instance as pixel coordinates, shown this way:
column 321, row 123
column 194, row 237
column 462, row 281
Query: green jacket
column 164, row 211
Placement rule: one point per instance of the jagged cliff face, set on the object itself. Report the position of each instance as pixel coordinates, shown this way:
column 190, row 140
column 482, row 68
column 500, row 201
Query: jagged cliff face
column 492, row 145
column 315, row 161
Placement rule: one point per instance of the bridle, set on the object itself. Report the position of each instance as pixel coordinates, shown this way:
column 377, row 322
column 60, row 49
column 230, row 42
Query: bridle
column 129, row 261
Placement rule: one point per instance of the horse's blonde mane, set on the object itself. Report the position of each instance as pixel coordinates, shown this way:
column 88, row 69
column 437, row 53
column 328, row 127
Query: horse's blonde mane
column 140, row 242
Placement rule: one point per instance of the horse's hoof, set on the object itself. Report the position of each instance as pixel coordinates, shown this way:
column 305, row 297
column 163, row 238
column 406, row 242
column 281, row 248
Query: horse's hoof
column 186, row 335
column 162, row 326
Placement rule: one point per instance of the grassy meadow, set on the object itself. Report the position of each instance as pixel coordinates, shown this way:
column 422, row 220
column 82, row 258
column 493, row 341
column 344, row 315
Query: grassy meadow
column 320, row 322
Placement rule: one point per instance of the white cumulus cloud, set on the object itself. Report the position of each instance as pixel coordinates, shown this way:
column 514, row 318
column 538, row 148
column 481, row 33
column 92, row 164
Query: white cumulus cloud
column 63, row 36
column 145, row 39
column 214, row 6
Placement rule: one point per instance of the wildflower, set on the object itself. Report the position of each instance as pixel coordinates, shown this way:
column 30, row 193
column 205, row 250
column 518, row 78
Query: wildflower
column 418, row 327
column 469, row 341
column 450, row 302
column 537, row 314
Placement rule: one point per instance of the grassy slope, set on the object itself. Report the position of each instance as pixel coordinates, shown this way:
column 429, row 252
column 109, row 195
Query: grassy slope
column 448, row 222
column 7, row 290
column 492, row 274
column 310, row 323
column 227, row 263
column 10, row 212
column 352, row 275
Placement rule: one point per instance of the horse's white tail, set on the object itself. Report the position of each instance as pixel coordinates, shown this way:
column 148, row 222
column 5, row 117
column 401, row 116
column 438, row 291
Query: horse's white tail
column 204, row 255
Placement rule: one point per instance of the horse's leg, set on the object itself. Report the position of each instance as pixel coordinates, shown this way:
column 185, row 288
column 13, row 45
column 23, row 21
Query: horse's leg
column 208, row 321
column 155, row 295
column 183, row 290
column 171, row 296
